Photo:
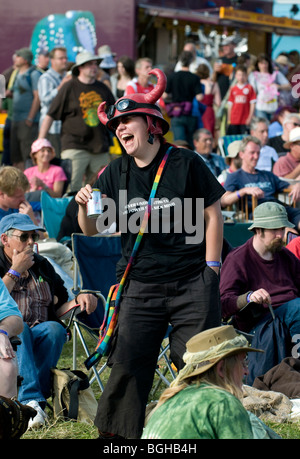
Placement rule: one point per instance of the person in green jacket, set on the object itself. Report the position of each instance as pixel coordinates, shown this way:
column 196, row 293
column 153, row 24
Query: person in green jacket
column 203, row 402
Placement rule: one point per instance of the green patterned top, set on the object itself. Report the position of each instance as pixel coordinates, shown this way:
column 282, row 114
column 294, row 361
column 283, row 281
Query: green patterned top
column 204, row 412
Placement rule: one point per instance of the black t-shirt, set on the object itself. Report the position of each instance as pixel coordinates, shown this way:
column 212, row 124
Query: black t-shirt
column 164, row 254
column 76, row 106
column 183, row 86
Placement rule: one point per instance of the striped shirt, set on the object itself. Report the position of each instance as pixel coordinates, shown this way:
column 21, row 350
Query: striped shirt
column 47, row 88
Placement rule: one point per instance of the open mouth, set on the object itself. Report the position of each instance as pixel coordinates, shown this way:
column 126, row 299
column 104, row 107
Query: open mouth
column 127, row 138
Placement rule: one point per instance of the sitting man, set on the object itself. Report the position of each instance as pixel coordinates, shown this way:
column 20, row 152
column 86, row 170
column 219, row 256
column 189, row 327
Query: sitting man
column 260, row 280
column 268, row 155
column 288, row 166
column 42, row 298
column 203, row 143
column 11, row 325
column 263, row 185
column 13, row 187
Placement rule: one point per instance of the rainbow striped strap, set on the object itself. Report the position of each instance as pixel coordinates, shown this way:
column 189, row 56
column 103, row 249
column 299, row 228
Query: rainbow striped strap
column 112, row 312
column 144, row 222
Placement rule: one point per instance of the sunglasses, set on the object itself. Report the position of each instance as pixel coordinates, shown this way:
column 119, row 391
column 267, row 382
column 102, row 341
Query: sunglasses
column 125, row 105
column 295, row 124
column 25, row 236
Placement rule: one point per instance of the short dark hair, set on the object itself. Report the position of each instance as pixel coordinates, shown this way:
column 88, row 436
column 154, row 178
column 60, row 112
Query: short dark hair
column 186, row 58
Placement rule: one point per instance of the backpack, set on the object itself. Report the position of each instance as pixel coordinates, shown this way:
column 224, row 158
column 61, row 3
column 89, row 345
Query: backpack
column 73, row 398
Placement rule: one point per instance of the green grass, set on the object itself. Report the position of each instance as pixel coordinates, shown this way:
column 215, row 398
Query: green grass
column 59, row 429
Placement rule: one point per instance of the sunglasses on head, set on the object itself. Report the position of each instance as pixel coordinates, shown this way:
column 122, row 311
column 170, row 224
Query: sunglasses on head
column 125, row 105
column 25, row 236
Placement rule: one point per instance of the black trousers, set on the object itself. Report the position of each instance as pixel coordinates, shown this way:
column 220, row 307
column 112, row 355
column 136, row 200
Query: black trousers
column 190, row 306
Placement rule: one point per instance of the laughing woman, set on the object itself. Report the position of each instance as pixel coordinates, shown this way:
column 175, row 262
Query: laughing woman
column 174, row 276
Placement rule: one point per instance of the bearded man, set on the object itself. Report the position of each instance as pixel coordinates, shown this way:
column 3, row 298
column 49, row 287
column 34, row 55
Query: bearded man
column 260, row 283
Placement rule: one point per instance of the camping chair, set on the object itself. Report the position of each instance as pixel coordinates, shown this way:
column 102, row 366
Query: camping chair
column 224, row 141
column 95, row 259
column 53, row 211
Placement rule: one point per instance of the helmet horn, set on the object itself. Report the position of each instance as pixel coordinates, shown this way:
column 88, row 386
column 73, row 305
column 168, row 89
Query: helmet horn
column 156, row 93
column 101, row 113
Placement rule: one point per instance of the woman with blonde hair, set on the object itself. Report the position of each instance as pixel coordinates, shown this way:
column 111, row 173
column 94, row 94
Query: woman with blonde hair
column 204, row 400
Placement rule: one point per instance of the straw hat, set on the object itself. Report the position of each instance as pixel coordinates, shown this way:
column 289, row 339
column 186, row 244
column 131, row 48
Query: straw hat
column 283, row 60
column 270, row 215
column 207, row 348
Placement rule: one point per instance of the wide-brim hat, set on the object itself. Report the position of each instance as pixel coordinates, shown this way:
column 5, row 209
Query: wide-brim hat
column 39, row 144
column 270, row 215
column 108, row 63
column 83, row 58
column 138, row 104
column 20, row 222
column 104, row 51
column 207, row 348
column 294, row 136
column 284, row 60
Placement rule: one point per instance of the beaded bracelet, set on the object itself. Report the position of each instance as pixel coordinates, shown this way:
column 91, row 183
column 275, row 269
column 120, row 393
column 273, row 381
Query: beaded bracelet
column 15, row 278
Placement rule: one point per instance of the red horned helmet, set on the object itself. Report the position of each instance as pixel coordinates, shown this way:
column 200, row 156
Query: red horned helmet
column 139, row 104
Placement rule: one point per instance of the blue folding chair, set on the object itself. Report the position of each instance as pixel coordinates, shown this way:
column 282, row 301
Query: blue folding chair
column 95, row 260
column 53, row 211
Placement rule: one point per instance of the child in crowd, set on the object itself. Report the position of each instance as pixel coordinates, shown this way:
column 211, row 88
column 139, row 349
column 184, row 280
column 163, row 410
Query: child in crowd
column 241, row 103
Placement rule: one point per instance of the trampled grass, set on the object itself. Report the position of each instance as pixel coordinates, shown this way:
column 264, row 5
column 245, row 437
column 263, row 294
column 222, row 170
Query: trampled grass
column 60, row 429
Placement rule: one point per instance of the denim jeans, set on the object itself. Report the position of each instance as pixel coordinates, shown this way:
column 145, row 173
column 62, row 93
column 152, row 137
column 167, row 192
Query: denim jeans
column 276, row 338
column 39, row 352
column 183, row 128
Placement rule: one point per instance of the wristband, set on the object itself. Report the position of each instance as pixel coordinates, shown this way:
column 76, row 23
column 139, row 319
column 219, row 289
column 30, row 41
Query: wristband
column 238, row 195
column 248, row 297
column 214, row 263
column 14, row 278
column 14, row 273
column 30, row 119
column 3, row 331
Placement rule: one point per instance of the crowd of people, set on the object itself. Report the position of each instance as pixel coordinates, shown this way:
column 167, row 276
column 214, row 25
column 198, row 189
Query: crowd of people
column 61, row 120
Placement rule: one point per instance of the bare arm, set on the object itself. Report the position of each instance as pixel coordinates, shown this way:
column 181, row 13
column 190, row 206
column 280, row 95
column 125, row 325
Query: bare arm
column 34, row 108
column 231, row 197
column 87, row 302
column 46, row 125
column 214, row 233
